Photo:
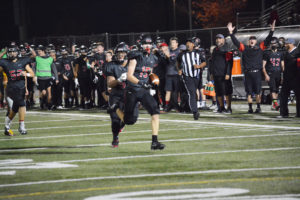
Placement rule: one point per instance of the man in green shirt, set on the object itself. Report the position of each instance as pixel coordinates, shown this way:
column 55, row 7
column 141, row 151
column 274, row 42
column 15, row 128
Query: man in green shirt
column 45, row 71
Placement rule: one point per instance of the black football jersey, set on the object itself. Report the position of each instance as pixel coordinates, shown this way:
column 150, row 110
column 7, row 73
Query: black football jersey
column 273, row 60
column 67, row 69
column 83, row 70
column 144, row 67
column 14, row 70
column 114, row 69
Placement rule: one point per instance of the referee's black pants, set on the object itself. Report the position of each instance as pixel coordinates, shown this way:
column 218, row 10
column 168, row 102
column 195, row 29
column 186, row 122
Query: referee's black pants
column 191, row 85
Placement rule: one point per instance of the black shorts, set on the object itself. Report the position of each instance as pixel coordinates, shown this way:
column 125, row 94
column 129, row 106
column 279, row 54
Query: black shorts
column 85, row 85
column 172, row 83
column 133, row 96
column 101, row 84
column 253, row 82
column 17, row 94
column 117, row 98
column 44, row 84
column 68, row 85
column 30, row 84
column 222, row 86
column 274, row 83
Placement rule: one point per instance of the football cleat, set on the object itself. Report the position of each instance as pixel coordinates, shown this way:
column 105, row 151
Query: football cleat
column 196, row 115
column 115, row 143
column 258, row 110
column 157, row 145
column 22, row 132
column 228, row 111
column 250, row 110
column 8, row 132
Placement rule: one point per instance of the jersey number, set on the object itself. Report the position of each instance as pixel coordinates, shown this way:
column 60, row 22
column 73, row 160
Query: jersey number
column 275, row 62
column 145, row 71
column 67, row 67
column 15, row 74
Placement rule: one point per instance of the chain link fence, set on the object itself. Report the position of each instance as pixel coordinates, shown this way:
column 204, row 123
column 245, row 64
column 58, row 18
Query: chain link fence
column 207, row 37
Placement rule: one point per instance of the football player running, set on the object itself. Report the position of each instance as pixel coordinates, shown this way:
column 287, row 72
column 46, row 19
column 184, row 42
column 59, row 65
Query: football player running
column 139, row 67
column 116, row 73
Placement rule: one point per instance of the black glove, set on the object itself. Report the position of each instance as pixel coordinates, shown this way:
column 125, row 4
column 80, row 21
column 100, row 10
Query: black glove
column 144, row 84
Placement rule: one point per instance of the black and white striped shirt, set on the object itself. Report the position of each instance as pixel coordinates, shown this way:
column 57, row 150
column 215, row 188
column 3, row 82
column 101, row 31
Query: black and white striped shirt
column 187, row 60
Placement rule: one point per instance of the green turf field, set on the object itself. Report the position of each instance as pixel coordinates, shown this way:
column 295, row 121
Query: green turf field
column 67, row 155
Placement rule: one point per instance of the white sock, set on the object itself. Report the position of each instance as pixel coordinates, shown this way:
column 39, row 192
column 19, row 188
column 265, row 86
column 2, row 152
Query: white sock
column 7, row 122
column 203, row 103
column 22, row 125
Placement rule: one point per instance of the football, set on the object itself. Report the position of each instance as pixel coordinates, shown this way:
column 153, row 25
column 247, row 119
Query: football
column 154, row 80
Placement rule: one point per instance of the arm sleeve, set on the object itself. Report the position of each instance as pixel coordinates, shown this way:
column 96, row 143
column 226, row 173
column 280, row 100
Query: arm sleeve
column 267, row 41
column 54, row 71
column 237, row 43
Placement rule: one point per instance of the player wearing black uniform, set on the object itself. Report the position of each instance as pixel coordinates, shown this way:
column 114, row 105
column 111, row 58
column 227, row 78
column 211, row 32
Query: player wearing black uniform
column 57, row 88
column 116, row 75
column 16, row 88
column 139, row 68
column 83, row 69
column 101, row 79
column 68, row 76
column 273, row 66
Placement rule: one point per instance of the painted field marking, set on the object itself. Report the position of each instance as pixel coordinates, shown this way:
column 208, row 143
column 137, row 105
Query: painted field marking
column 9, row 173
column 89, row 134
column 29, row 164
column 185, row 121
column 172, row 194
column 145, row 142
column 159, row 185
column 46, row 121
column 179, row 154
column 151, row 175
column 58, row 127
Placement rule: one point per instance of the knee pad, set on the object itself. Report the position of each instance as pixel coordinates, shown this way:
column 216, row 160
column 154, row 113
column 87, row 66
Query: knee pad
column 129, row 120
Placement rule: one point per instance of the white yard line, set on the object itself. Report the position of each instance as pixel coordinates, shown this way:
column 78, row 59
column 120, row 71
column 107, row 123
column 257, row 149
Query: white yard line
column 90, row 134
column 9, row 173
column 179, row 154
column 46, row 121
column 181, row 121
column 152, row 175
column 170, row 140
column 57, row 127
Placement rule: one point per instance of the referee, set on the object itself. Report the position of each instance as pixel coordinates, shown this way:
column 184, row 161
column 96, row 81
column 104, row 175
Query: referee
column 189, row 64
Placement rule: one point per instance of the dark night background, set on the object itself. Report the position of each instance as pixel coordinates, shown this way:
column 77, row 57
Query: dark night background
column 83, row 17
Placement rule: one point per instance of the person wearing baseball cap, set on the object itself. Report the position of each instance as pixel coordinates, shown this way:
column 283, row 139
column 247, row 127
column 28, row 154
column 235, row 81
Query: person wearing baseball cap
column 221, row 72
column 291, row 78
column 252, row 63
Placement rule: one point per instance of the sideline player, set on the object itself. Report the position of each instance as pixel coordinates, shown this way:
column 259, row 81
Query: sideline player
column 273, row 66
column 16, row 87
